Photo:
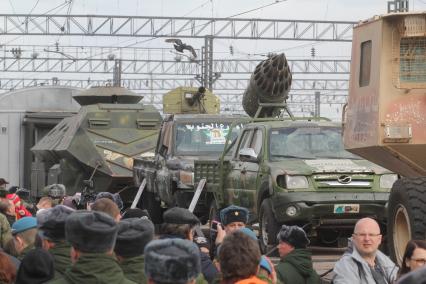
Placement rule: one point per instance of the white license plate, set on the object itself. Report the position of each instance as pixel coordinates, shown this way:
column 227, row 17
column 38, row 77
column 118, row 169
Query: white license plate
column 346, row 208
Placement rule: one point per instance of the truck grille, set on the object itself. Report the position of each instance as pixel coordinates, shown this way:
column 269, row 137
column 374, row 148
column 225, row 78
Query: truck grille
column 343, row 181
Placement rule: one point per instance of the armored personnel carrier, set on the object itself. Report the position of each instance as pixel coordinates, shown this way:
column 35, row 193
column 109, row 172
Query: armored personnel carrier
column 385, row 119
column 94, row 149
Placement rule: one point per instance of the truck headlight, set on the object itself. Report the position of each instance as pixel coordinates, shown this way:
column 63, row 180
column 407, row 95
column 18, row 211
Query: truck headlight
column 186, row 177
column 387, row 180
column 296, row 182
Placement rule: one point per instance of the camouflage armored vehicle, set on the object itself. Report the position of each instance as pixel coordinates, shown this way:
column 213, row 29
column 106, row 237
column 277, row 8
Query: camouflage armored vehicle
column 94, row 149
column 385, row 116
column 194, row 130
column 289, row 171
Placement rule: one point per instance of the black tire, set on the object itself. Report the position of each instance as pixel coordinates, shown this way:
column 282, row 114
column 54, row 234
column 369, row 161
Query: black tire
column 406, row 215
column 268, row 227
column 150, row 203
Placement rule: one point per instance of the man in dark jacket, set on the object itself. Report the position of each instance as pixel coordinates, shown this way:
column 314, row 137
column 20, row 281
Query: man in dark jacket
column 295, row 265
column 51, row 225
column 180, row 223
column 133, row 235
column 92, row 237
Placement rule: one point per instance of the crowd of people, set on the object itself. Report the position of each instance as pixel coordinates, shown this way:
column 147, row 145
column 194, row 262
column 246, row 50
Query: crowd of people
column 54, row 242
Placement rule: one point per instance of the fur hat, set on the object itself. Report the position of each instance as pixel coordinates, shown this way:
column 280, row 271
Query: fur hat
column 55, row 190
column 178, row 215
column 172, row 261
column 51, row 222
column 234, row 213
column 91, row 231
column 133, row 235
column 136, row 213
column 293, row 235
column 113, row 196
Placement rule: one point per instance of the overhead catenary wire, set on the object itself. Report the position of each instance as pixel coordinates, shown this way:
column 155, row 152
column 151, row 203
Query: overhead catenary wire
column 45, row 13
column 232, row 16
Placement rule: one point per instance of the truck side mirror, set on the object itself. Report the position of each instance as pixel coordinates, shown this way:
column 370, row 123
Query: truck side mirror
column 344, row 109
column 248, row 154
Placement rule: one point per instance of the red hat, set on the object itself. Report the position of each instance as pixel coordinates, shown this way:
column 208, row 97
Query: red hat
column 14, row 197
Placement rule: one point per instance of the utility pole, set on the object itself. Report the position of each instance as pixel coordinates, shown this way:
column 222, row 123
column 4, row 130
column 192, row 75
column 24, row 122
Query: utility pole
column 317, row 105
column 207, row 62
column 398, row 6
column 116, row 81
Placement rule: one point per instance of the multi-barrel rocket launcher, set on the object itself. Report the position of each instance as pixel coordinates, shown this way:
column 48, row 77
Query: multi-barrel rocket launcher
column 268, row 88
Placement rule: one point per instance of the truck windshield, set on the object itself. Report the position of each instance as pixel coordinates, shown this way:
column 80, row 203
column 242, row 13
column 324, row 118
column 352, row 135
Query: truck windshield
column 204, row 137
column 307, row 143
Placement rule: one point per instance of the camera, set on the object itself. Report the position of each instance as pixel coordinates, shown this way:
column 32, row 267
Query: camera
column 214, row 226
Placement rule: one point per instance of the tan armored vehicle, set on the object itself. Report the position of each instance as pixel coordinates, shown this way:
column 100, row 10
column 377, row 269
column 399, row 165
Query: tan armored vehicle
column 385, row 120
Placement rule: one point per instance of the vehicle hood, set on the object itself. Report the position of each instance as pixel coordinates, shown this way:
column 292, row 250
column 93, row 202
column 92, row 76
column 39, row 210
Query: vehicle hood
column 308, row 167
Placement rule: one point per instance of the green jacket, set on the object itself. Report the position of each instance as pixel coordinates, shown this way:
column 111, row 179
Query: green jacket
column 96, row 268
column 296, row 268
column 61, row 255
column 133, row 269
column 5, row 231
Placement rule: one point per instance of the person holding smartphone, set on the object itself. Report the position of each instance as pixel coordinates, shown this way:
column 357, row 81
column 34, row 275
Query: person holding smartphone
column 232, row 219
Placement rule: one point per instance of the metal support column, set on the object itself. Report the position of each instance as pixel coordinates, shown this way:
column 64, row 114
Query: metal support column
column 207, row 62
column 117, row 73
column 317, row 104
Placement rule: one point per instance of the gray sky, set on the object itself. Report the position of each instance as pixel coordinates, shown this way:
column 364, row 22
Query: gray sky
column 330, row 10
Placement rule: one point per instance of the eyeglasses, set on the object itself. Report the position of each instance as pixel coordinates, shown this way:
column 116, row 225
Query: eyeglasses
column 364, row 235
column 419, row 261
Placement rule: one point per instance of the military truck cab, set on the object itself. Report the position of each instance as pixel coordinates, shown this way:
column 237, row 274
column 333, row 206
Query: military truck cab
column 194, row 130
column 385, row 116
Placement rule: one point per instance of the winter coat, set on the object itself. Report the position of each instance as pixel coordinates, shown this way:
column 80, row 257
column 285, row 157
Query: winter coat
column 296, row 268
column 133, row 268
column 97, row 268
column 5, row 231
column 353, row 269
column 61, row 254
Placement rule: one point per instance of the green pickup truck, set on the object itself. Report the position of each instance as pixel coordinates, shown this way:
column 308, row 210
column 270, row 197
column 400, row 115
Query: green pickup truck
column 296, row 172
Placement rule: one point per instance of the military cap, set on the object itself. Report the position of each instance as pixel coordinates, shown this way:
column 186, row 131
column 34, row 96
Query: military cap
column 51, row 222
column 178, row 215
column 172, row 261
column 23, row 225
column 91, row 231
column 133, row 235
column 55, row 190
column 293, row 235
column 234, row 213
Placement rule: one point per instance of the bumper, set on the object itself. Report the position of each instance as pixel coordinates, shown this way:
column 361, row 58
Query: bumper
column 318, row 208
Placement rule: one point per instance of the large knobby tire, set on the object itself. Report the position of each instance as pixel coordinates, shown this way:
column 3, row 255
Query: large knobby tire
column 268, row 227
column 406, row 215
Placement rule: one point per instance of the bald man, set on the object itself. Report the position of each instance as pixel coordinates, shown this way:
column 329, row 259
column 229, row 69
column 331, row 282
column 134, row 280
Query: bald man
column 363, row 262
